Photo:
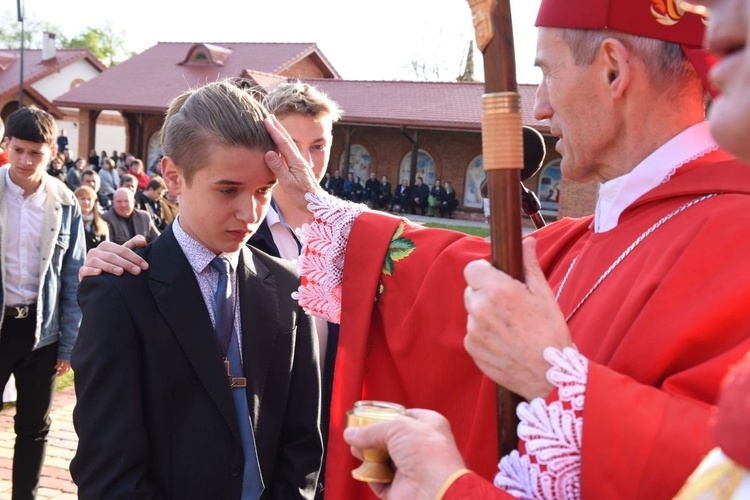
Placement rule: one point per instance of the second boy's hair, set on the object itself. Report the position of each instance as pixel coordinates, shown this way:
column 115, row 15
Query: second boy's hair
column 33, row 125
column 156, row 183
column 218, row 113
column 303, row 99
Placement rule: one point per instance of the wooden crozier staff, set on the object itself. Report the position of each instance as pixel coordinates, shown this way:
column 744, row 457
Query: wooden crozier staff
column 502, row 151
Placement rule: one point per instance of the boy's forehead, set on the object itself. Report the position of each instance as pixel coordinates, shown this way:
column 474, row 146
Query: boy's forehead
column 235, row 166
column 21, row 143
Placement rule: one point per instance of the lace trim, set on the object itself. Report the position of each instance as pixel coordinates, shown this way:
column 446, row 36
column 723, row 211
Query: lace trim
column 699, row 154
column 551, row 468
column 321, row 263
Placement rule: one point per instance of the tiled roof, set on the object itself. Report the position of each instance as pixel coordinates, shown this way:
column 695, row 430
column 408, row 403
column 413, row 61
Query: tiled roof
column 446, row 105
column 34, row 69
column 151, row 79
column 267, row 81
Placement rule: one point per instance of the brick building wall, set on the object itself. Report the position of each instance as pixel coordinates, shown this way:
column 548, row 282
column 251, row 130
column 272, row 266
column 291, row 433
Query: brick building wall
column 306, row 68
column 452, row 152
column 577, row 200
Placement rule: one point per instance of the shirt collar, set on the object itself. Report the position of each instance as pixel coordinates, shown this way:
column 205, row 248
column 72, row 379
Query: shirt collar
column 657, row 168
column 198, row 255
column 273, row 216
column 16, row 190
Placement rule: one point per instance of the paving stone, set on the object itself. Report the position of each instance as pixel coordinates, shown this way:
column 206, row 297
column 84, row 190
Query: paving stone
column 47, row 493
column 62, row 441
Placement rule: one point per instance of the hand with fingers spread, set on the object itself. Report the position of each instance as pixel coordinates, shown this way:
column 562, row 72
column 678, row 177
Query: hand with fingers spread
column 295, row 175
column 511, row 323
column 115, row 259
column 421, row 447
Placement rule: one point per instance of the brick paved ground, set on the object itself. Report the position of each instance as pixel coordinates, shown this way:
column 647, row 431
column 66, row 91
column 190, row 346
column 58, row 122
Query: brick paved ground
column 62, row 442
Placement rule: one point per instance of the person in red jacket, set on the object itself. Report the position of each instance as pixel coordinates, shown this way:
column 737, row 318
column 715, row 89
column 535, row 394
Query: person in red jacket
column 4, row 156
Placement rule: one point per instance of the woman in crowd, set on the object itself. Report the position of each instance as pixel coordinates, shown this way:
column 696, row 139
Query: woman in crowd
column 435, row 200
column 357, row 190
column 449, row 203
column 94, row 226
column 94, row 160
column 138, row 171
column 109, row 176
column 57, row 167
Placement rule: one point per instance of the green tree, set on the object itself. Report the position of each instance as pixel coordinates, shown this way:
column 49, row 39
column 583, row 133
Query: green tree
column 468, row 74
column 10, row 32
column 107, row 45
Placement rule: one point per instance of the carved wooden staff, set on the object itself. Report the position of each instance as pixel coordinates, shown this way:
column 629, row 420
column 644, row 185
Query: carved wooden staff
column 502, row 151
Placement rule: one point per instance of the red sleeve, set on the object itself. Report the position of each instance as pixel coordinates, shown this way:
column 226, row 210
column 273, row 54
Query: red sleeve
column 401, row 339
column 471, row 486
column 633, row 434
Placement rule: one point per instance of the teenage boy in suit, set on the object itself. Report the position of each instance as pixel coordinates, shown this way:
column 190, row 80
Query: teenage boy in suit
column 162, row 398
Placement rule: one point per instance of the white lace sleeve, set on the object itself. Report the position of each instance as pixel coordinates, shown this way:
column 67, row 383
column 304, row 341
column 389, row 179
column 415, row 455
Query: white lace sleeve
column 551, row 468
column 321, row 263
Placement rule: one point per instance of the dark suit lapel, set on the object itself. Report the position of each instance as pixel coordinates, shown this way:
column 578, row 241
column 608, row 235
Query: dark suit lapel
column 262, row 239
column 178, row 297
column 259, row 312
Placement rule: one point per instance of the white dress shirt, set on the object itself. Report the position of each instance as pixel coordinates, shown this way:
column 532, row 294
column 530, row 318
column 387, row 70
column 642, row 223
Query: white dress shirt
column 286, row 242
column 24, row 238
column 619, row 193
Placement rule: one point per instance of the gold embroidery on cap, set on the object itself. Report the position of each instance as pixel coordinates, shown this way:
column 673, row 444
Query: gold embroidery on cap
column 669, row 12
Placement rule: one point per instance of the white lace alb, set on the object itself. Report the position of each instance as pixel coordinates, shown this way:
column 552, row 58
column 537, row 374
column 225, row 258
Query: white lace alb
column 321, row 263
column 552, row 434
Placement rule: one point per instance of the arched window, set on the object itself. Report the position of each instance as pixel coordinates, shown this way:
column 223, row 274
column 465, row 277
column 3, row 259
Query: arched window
column 154, row 150
column 549, row 186
column 360, row 162
column 425, row 168
column 474, row 176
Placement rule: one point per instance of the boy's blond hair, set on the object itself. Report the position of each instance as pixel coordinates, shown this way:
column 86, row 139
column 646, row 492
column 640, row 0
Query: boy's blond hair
column 303, row 99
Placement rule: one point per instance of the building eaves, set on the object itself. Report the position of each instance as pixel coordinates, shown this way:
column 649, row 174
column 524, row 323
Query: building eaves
column 311, row 50
column 35, row 69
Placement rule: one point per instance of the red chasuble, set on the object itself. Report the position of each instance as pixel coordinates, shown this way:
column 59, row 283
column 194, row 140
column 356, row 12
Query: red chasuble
column 660, row 330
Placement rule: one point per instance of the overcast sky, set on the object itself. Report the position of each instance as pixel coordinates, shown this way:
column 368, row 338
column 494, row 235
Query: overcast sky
column 362, row 40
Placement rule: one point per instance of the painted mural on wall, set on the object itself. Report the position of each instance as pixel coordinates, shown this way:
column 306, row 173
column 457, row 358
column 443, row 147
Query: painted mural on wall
column 474, row 176
column 425, row 167
column 360, row 162
column 549, row 186
column 154, row 150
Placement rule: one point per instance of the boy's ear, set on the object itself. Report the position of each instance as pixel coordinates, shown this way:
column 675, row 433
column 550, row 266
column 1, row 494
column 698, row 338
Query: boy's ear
column 172, row 176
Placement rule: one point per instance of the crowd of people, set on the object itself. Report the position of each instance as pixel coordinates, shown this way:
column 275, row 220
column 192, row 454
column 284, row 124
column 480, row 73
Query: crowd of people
column 617, row 341
column 379, row 194
column 106, row 219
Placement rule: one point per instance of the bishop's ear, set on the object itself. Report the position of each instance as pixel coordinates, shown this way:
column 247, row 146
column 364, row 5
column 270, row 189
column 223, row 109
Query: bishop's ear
column 615, row 60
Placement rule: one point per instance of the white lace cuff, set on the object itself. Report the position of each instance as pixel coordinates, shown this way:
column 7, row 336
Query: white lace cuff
column 321, row 263
column 551, row 468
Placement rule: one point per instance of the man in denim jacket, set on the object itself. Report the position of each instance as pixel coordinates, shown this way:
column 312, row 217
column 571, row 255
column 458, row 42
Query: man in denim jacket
column 42, row 249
